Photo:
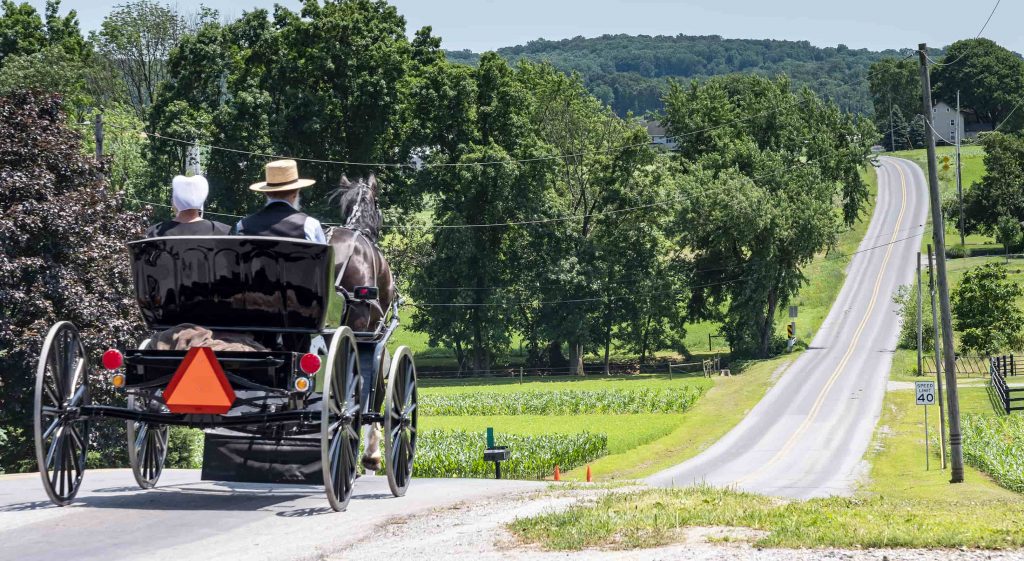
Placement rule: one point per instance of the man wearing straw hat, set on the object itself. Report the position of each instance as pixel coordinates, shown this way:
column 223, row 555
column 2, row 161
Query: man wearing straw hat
column 281, row 217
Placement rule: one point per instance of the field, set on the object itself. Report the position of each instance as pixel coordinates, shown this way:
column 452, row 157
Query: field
column 624, row 431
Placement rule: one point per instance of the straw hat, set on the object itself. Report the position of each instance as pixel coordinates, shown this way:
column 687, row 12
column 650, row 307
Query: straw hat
column 282, row 175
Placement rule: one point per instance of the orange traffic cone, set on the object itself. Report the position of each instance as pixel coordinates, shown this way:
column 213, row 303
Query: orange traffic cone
column 589, row 478
column 558, row 473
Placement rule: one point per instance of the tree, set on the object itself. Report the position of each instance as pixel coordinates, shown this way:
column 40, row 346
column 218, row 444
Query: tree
column 895, row 91
column 137, row 38
column 897, row 132
column 601, row 172
column 990, row 78
column 765, row 170
column 305, row 84
column 61, row 258
column 468, row 269
column 985, row 311
column 999, row 193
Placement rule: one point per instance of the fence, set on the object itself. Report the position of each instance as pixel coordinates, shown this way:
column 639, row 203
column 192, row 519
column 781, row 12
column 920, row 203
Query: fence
column 1008, row 397
column 966, row 366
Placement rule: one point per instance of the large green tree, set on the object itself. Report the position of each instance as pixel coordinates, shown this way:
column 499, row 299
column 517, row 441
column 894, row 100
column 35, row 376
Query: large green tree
column 985, row 311
column 466, row 284
column 895, row 86
column 326, row 83
column 604, row 160
column 772, row 177
column 1000, row 192
column 990, row 78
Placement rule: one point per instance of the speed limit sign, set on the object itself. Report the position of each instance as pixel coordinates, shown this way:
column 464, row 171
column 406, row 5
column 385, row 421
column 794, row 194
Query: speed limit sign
column 925, row 392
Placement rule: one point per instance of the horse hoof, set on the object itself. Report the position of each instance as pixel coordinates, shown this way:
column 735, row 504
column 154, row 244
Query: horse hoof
column 371, row 464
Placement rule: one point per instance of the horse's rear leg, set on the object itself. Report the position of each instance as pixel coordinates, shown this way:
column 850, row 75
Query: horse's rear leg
column 372, row 459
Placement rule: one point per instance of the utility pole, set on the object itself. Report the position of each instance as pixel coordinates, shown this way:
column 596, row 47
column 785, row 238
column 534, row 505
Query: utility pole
column 892, row 131
column 98, row 133
column 920, row 320
column 959, row 186
column 938, row 358
column 939, row 238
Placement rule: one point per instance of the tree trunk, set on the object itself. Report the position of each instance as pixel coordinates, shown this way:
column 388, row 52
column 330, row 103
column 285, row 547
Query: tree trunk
column 576, row 359
column 769, row 321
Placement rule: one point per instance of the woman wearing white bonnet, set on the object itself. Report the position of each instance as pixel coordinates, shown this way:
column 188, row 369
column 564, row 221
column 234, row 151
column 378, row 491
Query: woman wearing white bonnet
column 188, row 195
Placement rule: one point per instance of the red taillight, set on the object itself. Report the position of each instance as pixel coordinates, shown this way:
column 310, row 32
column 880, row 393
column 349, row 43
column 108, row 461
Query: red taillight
column 112, row 359
column 309, row 363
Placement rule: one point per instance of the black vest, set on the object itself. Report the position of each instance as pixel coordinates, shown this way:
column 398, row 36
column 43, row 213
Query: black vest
column 277, row 219
column 198, row 228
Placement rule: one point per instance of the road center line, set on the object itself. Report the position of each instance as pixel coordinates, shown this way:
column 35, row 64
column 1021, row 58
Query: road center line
column 820, row 401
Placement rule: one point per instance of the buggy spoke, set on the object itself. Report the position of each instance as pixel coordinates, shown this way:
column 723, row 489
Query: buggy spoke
column 57, row 442
column 77, row 398
column 49, row 430
column 143, row 429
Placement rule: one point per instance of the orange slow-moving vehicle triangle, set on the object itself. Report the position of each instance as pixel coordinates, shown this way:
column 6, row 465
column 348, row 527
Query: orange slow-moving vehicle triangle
column 199, row 385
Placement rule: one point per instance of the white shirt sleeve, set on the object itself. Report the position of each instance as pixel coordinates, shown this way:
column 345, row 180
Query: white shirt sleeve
column 314, row 231
column 238, row 228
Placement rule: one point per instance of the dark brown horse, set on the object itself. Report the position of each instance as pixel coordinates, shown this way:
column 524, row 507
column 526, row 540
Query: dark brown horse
column 359, row 264
column 358, row 260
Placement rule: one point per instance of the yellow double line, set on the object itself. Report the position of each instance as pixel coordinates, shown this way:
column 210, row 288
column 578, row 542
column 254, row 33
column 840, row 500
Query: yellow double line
column 818, row 403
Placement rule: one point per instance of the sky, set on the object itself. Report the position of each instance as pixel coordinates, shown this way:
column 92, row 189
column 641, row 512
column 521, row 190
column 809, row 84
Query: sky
column 480, row 25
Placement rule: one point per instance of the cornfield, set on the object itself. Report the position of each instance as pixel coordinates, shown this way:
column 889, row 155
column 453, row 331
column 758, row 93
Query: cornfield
column 562, row 402
column 995, row 445
column 443, row 453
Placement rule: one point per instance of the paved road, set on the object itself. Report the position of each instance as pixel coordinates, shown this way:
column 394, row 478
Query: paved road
column 184, row 518
column 808, row 436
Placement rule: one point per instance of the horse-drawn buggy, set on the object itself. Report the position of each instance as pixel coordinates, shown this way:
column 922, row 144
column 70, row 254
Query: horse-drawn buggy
column 285, row 403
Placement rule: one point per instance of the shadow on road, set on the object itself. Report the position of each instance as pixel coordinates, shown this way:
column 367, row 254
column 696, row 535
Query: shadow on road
column 206, row 496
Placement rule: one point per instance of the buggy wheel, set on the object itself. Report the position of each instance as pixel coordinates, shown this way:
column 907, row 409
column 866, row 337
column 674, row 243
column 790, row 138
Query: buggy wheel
column 340, row 418
column 61, row 434
column 400, row 417
column 147, row 443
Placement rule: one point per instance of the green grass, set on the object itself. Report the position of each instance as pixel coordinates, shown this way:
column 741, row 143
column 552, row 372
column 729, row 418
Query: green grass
column 902, row 506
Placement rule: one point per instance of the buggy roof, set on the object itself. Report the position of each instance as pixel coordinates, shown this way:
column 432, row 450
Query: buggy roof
column 233, row 283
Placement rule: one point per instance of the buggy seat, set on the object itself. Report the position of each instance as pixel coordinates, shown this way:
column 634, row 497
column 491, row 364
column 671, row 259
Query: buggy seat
column 235, row 283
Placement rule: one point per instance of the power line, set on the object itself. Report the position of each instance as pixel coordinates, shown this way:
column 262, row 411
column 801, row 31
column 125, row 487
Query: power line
column 634, row 296
column 982, row 30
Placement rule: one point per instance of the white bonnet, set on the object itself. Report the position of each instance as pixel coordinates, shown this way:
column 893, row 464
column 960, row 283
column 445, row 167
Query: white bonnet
column 189, row 192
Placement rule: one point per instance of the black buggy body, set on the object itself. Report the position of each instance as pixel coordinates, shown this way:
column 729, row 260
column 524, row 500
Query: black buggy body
column 288, row 410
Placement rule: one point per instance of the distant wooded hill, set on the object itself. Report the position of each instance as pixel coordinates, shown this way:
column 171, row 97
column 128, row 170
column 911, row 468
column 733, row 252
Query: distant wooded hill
column 629, row 72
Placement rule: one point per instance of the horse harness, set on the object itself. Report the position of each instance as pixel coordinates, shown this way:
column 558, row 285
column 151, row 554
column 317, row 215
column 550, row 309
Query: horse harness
column 369, row 295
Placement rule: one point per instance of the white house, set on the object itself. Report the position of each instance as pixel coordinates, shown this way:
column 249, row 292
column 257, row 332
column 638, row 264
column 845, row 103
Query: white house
column 659, row 137
column 946, row 124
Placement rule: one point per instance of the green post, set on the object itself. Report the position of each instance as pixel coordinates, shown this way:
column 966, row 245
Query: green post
column 490, row 437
